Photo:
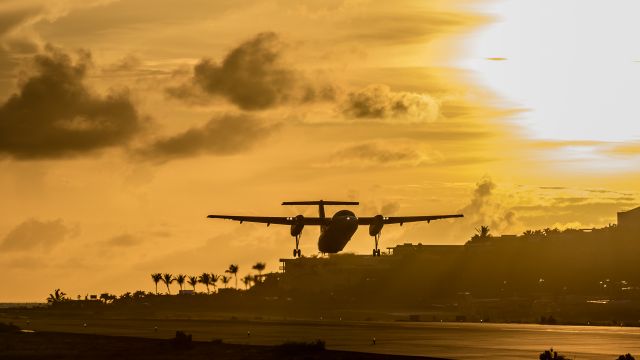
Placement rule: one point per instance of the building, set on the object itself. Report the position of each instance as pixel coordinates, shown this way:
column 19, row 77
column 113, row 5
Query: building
column 629, row 221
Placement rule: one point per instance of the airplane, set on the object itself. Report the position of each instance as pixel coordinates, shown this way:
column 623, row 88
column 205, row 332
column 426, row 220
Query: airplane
column 335, row 232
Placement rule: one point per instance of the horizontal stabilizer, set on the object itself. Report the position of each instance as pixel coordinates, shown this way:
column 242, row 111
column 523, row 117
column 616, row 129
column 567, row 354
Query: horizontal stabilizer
column 321, row 202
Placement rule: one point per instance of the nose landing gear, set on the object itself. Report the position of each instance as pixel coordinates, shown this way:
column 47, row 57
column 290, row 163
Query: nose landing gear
column 376, row 251
column 297, row 252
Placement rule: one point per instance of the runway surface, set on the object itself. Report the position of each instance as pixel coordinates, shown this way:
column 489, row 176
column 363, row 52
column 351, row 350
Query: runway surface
column 448, row 340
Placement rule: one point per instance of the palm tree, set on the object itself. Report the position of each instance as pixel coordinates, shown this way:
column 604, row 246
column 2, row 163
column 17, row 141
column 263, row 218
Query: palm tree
column 225, row 280
column 233, row 270
column 205, row 279
column 213, row 280
column 180, row 279
column 259, row 267
column 247, row 280
column 167, row 279
column 156, row 277
column 483, row 232
column 57, row 296
column 193, row 281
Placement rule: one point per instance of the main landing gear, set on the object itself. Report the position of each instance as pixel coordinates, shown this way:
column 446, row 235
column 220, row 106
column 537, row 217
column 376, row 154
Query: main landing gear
column 297, row 252
column 376, row 251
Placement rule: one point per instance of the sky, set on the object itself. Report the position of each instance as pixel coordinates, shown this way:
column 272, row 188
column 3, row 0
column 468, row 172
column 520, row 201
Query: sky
column 124, row 123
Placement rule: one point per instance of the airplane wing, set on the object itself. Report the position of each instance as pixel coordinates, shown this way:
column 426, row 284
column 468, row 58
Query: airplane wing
column 278, row 220
column 405, row 219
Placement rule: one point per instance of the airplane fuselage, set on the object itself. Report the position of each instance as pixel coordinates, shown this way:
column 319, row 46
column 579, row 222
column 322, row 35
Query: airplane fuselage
column 335, row 236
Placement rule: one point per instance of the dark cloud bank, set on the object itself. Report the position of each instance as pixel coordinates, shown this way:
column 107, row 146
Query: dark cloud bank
column 54, row 114
column 252, row 76
column 223, row 135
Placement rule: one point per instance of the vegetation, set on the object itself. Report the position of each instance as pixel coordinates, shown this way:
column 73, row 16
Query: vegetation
column 167, row 279
column 247, row 280
column 182, row 340
column 294, row 346
column 214, row 280
column 193, row 281
column 180, row 279
column 225, row 280
column 233, row 270
column 5, row 328
column 626, row 357
column 156, row 277
column 205, row 279
column 108, row 298
column 259, row 267
column 551, row 355
column 57, row 296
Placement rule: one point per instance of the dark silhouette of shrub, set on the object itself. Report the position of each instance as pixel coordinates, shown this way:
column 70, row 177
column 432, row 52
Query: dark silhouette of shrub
column 182, row 340
column 551, row 355
column 5, row 328
column 626, row 357
column 296, row 346
column 548, row 320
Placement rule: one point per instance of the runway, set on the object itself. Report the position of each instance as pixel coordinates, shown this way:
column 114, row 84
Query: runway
column 447, row 340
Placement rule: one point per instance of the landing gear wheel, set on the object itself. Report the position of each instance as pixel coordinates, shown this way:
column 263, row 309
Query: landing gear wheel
column 376, row 251
column 297, row 252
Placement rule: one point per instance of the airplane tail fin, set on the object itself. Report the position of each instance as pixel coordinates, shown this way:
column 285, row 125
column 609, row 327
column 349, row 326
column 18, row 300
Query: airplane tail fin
column 321, row 204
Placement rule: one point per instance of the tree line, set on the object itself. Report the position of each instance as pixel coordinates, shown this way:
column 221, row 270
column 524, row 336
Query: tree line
column 209, row 279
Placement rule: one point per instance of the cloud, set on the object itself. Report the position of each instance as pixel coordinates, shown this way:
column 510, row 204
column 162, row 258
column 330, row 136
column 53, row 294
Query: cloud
column 56, row 115
column 223, row 135
column 376, row 153
column 123, row 240
column 252, row 76
column 14, row 17
column 484, row 209
column 379, row 102
column 36, row 235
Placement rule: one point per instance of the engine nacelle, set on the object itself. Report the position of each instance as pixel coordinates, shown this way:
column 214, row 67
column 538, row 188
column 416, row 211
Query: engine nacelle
column 376, row 225
column 297, row 226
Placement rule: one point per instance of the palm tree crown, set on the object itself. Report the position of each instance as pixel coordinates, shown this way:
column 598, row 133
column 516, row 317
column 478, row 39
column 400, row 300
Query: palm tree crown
column 233, row 270
column 193, row 281
column 205, row 279
column 225, row 280
column 247, row 280
column 167, row 279
column 180, row 279
column 156, row 277
column 259, row 267
column 213, row 280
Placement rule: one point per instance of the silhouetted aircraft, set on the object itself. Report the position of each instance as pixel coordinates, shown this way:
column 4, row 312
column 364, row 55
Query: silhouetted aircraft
column 335, row 232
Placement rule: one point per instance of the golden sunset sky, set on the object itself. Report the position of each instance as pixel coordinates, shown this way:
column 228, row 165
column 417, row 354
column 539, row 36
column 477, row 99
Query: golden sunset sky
column 123, row 123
